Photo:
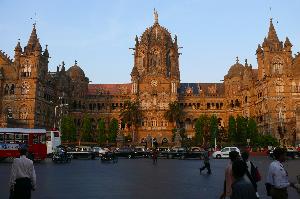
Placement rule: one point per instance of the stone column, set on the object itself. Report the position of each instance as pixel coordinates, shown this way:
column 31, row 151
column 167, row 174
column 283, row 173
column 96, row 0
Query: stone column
column 298, row 125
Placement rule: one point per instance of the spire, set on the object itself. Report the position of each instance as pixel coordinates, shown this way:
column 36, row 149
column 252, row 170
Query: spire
column 272, row 35
column 18, row 47
column 155, row 16
column 33, row 37
column 259, row 50
column 46, row 52
column 287, row 43
column 33, row 42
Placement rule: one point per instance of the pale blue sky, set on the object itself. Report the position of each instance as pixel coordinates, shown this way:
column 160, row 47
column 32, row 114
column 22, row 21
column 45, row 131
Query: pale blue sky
column 99, row 33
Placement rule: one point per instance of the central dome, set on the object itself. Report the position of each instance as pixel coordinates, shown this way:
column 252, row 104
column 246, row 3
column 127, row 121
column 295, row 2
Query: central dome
column 236, row 70
column 75, row 72
column 156, row 32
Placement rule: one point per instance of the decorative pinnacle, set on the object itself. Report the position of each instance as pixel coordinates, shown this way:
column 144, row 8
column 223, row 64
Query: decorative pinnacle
column 155, row 16
column 75, row 62
column 237, row 60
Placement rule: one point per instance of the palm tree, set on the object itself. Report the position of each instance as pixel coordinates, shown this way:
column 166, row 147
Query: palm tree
column 131, row 115
column 175, row 113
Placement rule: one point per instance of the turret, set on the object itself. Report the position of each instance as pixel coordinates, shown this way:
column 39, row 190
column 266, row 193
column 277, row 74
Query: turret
column 287, row 45
column 18, row 51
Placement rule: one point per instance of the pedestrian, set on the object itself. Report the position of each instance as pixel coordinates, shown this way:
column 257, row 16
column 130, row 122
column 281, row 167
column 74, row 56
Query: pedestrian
column 252, row 173
column 233, row 155
column 277, row 177
column 241, row 188
column 206, row 163
column 22, row 177
column 154, row 156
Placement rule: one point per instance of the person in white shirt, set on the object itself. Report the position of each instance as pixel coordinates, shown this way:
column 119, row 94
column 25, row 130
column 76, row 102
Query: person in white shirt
column 22, row 177
column 277, row 176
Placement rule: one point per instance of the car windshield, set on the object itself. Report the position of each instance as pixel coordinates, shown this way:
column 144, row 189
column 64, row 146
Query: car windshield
column 225, row 150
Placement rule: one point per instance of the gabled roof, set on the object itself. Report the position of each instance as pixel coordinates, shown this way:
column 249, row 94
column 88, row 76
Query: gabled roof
column 209, row 89
column 109, row 89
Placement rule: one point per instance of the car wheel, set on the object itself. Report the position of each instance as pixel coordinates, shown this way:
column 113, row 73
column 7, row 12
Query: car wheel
column 218, row 156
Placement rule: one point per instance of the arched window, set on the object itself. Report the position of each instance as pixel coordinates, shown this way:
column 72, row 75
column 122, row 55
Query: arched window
column 12, row 89
column 23, row 113
column 6, row 89
column 277, row 65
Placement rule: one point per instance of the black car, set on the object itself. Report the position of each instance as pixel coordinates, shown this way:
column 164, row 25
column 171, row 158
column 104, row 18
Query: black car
column 141, row 153
column 125, row 153
column 177, row 152
column 108, row 157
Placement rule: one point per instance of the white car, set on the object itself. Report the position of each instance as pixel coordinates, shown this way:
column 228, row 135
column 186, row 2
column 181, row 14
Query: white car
column 99, row 151
column 224, row 153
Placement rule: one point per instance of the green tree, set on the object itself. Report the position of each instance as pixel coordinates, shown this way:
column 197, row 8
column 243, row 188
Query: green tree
column 252, row 132
column 131, row 114
column 213, row 128
column 174, row 113
column 86, row 130
column 101, row 130
column 266, row 140
column 198, row 132
column 202, row 129
column 68, row 129
column 231, row 129
column 113, row 130
column 241, row 129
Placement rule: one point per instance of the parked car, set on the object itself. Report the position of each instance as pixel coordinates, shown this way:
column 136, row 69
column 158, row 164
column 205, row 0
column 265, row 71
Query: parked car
column 291, row 152
column 108, row 157
column 125, row 152
column 83, row 152
column 141, row 152
column 224, row 153
column 176, row 152
column 99, row 151
column 163, row 152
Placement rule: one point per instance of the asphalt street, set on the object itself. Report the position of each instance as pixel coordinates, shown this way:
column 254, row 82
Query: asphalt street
column 135, row 178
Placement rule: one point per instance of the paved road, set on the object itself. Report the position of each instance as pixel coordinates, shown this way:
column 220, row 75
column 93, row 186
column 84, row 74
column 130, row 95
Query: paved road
column 134, row 178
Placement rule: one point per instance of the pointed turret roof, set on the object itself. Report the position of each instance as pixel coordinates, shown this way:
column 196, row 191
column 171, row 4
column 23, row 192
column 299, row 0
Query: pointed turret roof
column 46, row 52
column 18, row 47
column 33, row 37
column 287, row 43
column 33, row 42
column 272, row 35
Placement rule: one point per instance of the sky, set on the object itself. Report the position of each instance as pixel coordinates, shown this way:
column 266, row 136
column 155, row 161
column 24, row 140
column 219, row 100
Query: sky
column 98, row 34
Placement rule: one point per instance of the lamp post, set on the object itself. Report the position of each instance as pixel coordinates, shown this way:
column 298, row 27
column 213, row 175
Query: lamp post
column 61, row 113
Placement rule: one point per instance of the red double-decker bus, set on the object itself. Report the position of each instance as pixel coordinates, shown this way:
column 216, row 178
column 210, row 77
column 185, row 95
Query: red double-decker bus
column 12, row 139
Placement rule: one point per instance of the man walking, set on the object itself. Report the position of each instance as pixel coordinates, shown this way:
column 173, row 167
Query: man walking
column 277, row 176
column 206, row 163
column 22, row 178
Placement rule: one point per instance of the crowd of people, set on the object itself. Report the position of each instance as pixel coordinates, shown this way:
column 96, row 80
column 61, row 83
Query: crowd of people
column 241, row 177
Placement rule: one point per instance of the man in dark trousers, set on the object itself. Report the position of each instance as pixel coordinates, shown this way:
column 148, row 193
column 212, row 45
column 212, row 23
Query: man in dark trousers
column 22, row 177
column 206, row 163
column 277, row 177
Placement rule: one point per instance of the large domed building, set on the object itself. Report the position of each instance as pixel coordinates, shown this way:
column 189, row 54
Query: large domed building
column 269, row 92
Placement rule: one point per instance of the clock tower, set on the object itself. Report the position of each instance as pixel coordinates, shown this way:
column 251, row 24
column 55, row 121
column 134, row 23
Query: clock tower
column 155, row 78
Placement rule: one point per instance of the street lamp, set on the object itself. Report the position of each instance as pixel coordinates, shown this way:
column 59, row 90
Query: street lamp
column 61, row 112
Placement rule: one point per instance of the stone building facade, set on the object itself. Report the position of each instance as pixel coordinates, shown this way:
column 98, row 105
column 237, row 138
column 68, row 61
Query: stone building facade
column 36, row 98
